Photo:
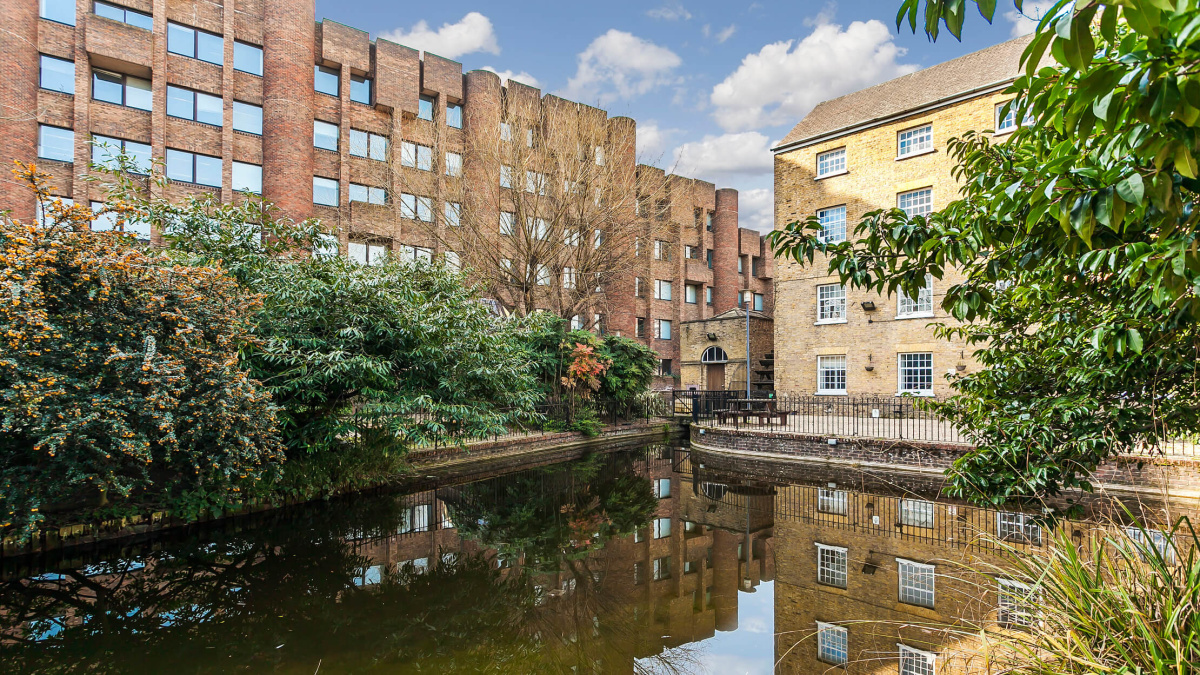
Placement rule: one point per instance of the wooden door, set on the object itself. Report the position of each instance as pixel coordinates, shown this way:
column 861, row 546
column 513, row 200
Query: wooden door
column 715, row 379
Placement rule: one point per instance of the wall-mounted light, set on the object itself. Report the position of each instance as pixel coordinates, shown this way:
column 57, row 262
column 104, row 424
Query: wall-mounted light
column 868, row 305
column 870, row 366
column 712, row 336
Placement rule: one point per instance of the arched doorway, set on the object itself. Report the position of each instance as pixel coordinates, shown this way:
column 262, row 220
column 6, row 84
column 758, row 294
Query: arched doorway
column 714, row 360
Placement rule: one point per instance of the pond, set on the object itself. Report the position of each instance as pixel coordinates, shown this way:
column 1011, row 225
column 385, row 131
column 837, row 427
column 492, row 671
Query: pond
column 649, row 560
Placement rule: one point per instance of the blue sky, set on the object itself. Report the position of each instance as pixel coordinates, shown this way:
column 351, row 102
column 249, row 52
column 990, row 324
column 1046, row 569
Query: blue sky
column 711, row 84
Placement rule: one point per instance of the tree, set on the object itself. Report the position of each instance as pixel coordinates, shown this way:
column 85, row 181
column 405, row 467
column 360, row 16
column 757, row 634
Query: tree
column 1078, row 241
column 120, row 372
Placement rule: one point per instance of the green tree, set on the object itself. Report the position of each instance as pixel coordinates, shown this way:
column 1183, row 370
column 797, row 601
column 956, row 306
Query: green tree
column 630, row 371
column 1078, row 241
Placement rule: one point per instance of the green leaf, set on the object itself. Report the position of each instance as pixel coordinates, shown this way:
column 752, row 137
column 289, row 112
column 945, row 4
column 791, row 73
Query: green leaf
column 1132, row 190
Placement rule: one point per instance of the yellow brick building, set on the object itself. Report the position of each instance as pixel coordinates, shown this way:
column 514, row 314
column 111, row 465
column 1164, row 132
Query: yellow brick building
column 881, row 147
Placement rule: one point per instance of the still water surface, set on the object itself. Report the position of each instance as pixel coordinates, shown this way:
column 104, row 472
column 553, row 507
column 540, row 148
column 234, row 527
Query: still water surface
column 653, row 560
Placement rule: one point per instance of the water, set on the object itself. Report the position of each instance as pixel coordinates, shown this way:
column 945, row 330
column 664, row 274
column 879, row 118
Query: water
column 654, row 560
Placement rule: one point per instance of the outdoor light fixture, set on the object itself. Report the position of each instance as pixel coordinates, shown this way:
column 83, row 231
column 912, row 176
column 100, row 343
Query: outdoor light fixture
column 712, row 336
column 868, row 305
column 870, row 366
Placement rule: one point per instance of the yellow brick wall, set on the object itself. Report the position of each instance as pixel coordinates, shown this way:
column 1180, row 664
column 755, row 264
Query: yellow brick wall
column 873, row 180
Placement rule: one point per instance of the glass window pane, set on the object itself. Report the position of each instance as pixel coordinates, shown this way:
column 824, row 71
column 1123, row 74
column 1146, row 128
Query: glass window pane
column 181, row 40
column 247, row 117
column 325, row 191
column 139, row 20
column 247, row 58
column 379, row 145
column 137, row 93
column 425, row 109
column 358, row 193
column 358, row 143
column 325, row 135
column 454, row 116
column 107, row 87
column 179, row 165
column 180, row 103
column 325, row 80
column 360, row 89
column 56, row 143
column 376, row 195
column 208, row 109
column 247, row 177
column 62, row 11
column 58, row 75
column 141, row 155
column 210, row 47
column 453, row 213
column 208, row 170
column 110, row 11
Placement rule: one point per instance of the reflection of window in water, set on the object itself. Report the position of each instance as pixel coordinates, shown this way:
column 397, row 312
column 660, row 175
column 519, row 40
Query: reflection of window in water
column 916, row 583
column 831, row 501
column 1014, row 603
column 639, row 573
column 831, row 565
column 369, row 576
column 832, row 643
column 1020, row 527
column 415, row 519
column 916, row 662
column 714, row 491
column 662, row 568
column 662, row 488
column 662, row 528
column 916, row 512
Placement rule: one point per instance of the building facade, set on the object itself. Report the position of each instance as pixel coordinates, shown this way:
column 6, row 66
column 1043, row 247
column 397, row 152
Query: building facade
column 880, row 148
column 372, row 137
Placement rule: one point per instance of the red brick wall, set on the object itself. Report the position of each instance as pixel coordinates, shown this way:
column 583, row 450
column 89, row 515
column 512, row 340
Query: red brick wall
column 725, row 235
column 288, row 60
column 18, row 99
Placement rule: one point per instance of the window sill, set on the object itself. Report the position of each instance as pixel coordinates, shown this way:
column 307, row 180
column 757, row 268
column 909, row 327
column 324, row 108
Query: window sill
column 55, row 91
column 830, row 393
column 901, row 158
column 915, row 315
column 828, row 322
column 916, row 394
column 843, row 172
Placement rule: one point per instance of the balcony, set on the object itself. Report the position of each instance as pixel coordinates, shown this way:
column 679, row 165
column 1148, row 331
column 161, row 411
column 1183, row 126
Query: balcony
column 112, row 43
column 696, row 271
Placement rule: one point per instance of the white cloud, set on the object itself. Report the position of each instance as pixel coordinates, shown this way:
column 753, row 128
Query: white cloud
column 670, row 12
column 725, row 33
column 473, row 33
column 756, row 209
column 652, row 141
column 522, row 77
column 747, row 153
column 620, row 65
column 1025, row 21
column 782, row 83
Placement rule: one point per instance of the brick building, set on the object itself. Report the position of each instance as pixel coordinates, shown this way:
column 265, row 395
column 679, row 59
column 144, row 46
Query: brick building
column 375, row 138
column 879, row 148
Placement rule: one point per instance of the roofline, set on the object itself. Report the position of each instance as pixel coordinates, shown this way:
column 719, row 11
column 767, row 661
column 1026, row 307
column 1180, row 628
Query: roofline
column 754, row 314
column 880, row 121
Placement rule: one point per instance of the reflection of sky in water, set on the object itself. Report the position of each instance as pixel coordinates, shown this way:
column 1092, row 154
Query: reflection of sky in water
column 750, row 650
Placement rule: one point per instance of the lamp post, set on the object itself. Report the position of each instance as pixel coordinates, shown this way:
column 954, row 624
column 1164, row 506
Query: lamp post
column 746, row 295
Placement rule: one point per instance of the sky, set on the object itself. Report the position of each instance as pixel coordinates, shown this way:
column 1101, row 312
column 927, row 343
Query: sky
column 712, row 85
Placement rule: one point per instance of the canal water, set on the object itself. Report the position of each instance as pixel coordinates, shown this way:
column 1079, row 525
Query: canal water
column 656, row 560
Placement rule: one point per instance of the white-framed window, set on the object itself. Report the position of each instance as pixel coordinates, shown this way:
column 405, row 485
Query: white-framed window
column 916, row 583
column 572, row 237
column 914, row 141
column 453, row 214
column 920, row 306
column 416, row 208
column 57, row 74
column 369, row 145
column 917, row 512
column 831, row 565
column 831, row 303
column 108, row 221
column 833, row 224
column 247, row 118
column 505, row 132
column 529, row 138
column 916, row 373
column 189, row 167
column 535, row 182
column 662, row 528
column 247, row 177
column 831, row 501
column 325, row 136
column 569, row 281
column 1007, row 122
column 508, row 223
column 105, row 150
column 365, row 253
column 1157, row 539
column 415, row 253
column 832, row 643
column 916, row 662
column 662, row 568
column 831, row 163
column 367, row 194
column 690, row 294
column 538, row 230
column 831, row 374
column 662, row 329
column 1019, row 527
column 577, row 324
column 662, row 250
column 662, row 289
column 425, row 209
column 506, row 176
column 416, row 156
column 759, row 298
column 708, row 295
column 44, row 213
column 916, row 202
column 662, row 488
column 597, row 239
column 599, row 156
column 1015, row 602
column 453, row 164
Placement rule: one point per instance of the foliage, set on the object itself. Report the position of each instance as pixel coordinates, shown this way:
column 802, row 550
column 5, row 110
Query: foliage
column 630, row 372
column 120, row 372
column 584, row 370
column 1078, row 241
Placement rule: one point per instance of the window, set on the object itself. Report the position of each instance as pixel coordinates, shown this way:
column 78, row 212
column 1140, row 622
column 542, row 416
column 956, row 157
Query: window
column 639, row 569
column 508, row 223
column 689, row 294
column 371, row 146
column 1019, row 527
column 195, row 43
column 568, row 281
column 577, row 322
column 662, row 568
column 758, row 302
column 247, row 177
column 57, row 75
column 662, row 250
column 505, row 132
column 831, row 501
column 915, row 141
column 454, row 264
column 691, row 252
column 662, row 528
column 599, row 156
column 831, row 565
column 247, row 118
column 541, row 275
column 916, row 662
column 415, row 254
column 831, row 374
column 1014, row 603
column 416, row 208
column 453, row 164
column 708, row 221
column 535, row 182
column 691, row 567
column 640, row 329
column 247, row 58
column 129, row 16
column 325, row 135
column 108, row 221
column 327, row 80
column 367, row 194
column 833, row 224
column 105, row 151
column 1007, row 122
column 326, row 246
column 916, row 583
column 529, row 138
column 537, row 228
column 831, row 163
column 708, row 295
column 1158, row 539
column 453, row 214
column 111, row 87
column 454, row 115
column 831, row 303
column 662, row 289
column 662, row 329
column 190, row 167
column 194, row 105
column 425, row 108
column 373, row 254
column 360, row 89
column 325, row 191
column 920, row 306
column 741, row 264
column 662, row 488
column 916, row 202
column 62, row 11
column 637, row 287
column 416, row 156
column 506, row 176
column 597, row 239
column 44, row 216
column 572, row 237
column 832, row 643
column 916, row 512
column 709, row 255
